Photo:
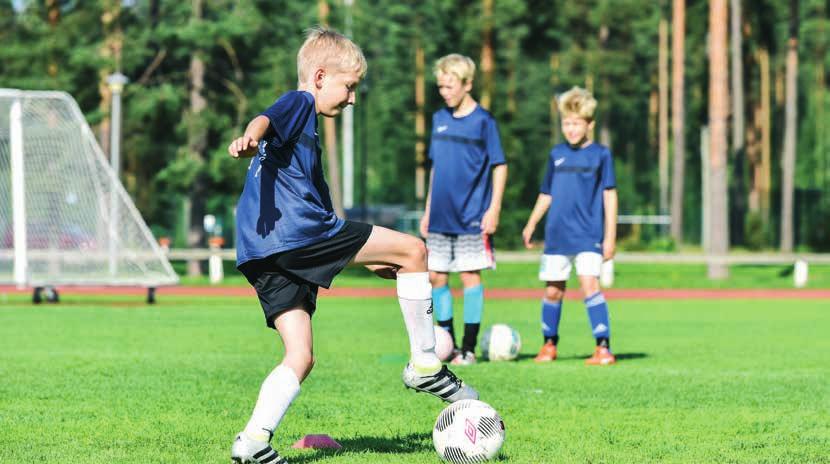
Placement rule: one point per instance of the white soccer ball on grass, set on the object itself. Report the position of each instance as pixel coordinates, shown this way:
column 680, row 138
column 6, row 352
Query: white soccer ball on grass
column 468, row 431
column 500, row 343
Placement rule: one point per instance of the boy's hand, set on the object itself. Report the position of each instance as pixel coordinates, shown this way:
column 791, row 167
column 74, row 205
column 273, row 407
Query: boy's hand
column 609, row 247
column 384, row 271
column 527, row 235
column 243, row 147
column 490, row 222
column 424, row 228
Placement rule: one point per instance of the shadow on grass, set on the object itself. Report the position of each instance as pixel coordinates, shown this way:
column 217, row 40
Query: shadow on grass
column 412, row 443
column 620, row 356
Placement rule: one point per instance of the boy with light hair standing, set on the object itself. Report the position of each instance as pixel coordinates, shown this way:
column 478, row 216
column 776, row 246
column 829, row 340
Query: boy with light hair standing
column 579, row 195
column 464, row 201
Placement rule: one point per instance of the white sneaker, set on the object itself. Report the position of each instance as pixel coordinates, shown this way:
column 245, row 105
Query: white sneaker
column 465, row 358
column 247, row 451
column 443, row 384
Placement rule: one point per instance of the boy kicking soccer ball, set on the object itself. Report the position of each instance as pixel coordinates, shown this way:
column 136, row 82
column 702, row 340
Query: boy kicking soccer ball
column 290, row 242
column 580, row 197
column 464, row 201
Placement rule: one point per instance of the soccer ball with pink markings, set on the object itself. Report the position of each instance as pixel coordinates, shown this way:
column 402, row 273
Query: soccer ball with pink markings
column 468, row 431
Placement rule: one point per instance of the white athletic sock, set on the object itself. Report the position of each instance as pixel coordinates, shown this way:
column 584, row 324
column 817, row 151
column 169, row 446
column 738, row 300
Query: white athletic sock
column 415, row 298
column 278, row 391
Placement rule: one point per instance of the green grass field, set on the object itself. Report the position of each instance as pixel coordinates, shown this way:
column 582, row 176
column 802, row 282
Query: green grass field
column 108, row 379
column 523, row 275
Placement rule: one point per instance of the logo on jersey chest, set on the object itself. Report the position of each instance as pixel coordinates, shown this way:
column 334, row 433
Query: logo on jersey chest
column 440, row 129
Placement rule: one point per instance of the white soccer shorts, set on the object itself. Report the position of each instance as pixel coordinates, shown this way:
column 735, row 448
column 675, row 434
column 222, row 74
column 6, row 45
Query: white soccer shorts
column 460, row 253
column 557, row 268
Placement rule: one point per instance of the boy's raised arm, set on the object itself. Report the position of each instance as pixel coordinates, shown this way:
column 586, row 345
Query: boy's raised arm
column 246, row 146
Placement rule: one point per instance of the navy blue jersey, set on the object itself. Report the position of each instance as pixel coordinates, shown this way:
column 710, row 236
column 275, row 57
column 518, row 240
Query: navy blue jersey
column 285, row 203
column 463, row 152
column 576, row 179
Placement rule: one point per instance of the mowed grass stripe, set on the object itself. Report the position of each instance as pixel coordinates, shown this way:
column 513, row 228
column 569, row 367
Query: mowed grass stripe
column 111, row 380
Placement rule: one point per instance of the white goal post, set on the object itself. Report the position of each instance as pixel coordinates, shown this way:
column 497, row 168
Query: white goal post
column 65, row 218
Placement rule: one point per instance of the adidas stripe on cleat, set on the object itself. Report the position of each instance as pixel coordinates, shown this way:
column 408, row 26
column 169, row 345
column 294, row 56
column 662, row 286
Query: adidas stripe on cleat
column 247, row 451
column 443, row 384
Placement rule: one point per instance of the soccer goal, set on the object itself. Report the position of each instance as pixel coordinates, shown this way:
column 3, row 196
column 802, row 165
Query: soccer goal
column 65, row 218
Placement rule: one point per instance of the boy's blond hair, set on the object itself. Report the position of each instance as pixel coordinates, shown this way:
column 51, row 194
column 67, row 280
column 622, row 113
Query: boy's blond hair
column 328, row 49
column 458, row 65
column 578, row 101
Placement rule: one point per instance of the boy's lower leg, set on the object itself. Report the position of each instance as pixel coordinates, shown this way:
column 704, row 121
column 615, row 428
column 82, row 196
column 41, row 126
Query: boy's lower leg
column 550, row 316
column 408, row 254
column 278, row 390
column 597, row 309
column 442, row 303
column 473, row 309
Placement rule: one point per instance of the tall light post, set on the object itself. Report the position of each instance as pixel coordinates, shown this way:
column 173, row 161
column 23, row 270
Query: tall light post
column 348, row 132
column 116, row 84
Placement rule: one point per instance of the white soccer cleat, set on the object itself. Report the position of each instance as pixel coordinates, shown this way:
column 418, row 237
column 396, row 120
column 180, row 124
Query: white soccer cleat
column 443, row 384
column 247, row 451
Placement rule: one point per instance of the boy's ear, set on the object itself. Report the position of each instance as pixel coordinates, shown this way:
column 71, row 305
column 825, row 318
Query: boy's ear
column 591, row 125
column 468, row 86
column 318, row 77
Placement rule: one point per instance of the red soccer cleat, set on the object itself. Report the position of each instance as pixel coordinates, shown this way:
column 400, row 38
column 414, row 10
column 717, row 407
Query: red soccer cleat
column 602, row 356
column 547, row 353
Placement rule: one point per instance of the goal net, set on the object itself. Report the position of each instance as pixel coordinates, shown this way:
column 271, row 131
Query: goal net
column 65, row 218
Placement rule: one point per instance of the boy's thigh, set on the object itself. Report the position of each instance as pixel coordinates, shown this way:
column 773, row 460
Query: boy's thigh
column 320, row 262
column 278, row 291
column 588, row 263
column 557, row 268
column 460, row 253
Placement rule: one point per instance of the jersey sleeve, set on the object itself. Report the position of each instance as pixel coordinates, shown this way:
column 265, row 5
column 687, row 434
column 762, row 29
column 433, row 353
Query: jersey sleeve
column 288, row 116
column 609, row 180
column 492, row 143
column 546, row 181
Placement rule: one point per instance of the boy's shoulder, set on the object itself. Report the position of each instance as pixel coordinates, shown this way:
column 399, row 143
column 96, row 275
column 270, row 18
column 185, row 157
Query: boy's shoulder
column 295, row 99
column 477, row 115
column 593, row 147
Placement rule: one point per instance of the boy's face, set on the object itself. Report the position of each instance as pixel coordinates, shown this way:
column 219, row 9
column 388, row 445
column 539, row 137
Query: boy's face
column 575, row 128
column 452, row 90
column 335, row 90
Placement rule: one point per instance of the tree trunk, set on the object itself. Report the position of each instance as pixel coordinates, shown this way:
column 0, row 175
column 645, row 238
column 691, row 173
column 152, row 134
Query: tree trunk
column 420, row 122
column 554, row 104
column 678, row 129
column 738, row 124
column 718, row 114
column 663, row 116
column 196, row 146
column 766, row 138
column 605, row 126
column 790, row 130
column 487, row 54
column 330, row 136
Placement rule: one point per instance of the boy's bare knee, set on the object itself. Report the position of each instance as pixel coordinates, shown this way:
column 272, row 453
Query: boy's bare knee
column 554, row 294
column 416, row 254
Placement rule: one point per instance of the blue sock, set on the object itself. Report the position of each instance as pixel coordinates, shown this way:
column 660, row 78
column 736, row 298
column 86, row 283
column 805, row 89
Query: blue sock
column 598, row 316
column 551, row 313
column 442, row 304
column 473, row 307
column 473, row 304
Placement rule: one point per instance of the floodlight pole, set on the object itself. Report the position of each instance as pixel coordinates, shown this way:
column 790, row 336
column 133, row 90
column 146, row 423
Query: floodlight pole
column 21, row 260
column 116, row 84
column 348, row 132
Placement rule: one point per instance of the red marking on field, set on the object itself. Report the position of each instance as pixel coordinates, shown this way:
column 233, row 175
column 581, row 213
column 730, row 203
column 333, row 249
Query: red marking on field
column 493, row 293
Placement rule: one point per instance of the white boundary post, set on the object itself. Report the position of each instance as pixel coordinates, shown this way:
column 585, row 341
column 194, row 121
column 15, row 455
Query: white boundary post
column 21, row 261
